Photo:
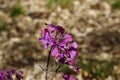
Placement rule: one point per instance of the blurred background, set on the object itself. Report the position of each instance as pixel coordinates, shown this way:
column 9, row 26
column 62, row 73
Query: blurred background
column 94, row 24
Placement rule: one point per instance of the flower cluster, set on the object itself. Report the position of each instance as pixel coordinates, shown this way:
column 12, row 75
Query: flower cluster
column 67, row 77
column 63, row 48
column 8, row 74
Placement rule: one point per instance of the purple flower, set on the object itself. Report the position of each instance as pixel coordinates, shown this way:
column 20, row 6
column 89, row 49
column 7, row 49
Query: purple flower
column 63, row 48
column 10, row 73
column 46, row 39
column 64, row 41
column 14, row 72
column 67, row 77
column 72, row 52
column 61, row 58
column 59, row 41
column 2, row 75
column 50, row 35
column 19, row 75
column 69, row 54
column 61, row 44
column 53, row 28
column 55, row 51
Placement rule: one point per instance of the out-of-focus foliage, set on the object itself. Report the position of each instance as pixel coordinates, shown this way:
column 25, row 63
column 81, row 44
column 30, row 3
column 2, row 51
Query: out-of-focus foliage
column 51, row 3
column 98, row 69
column 16, row 11
column 62, row 3
column 2, row 25
column 66, row 69
column 116, row 4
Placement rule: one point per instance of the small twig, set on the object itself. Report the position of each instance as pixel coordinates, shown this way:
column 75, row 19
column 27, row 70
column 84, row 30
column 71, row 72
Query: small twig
column 56, row 70
column 42, row 68
column 58, row 67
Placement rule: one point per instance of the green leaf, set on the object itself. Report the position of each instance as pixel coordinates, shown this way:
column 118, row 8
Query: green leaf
column 116, row 4
column 66, row 69
column 62, row 3
column 16, row 11
column 51, row 3
column 2, row 25
column 98, row 69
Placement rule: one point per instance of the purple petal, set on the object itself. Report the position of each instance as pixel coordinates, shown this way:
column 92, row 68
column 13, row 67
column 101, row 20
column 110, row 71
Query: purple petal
column 61, row 58
column 72, row 61
column 73, row 54
column 73, row 79
column 51, row 27
column 74, row 44
column 55, row 51
column 47, row 40
column 19, row 75
column 63, row 46
column 60, row 29
column 67, row 38
column 64, row 43
column 2, row 75
column 46, row 44
column 67, row 77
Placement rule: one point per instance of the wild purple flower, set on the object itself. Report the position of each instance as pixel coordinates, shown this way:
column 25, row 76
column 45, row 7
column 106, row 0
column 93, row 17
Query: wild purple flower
column 7, row 75
column 61, row 44
column 64, row 41
column 11, row 72
column 2, row 75
column 19, row 75
column 63, row 48
column 53, row 28
column 67, row 77
column 72, row 52
column 50, row 35
column 68, row 54
column 55, row 51
column 61, row 58
column 46, row 39
column 59, row 41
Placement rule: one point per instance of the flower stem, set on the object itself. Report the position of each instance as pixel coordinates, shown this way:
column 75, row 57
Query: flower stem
column 48, row 61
